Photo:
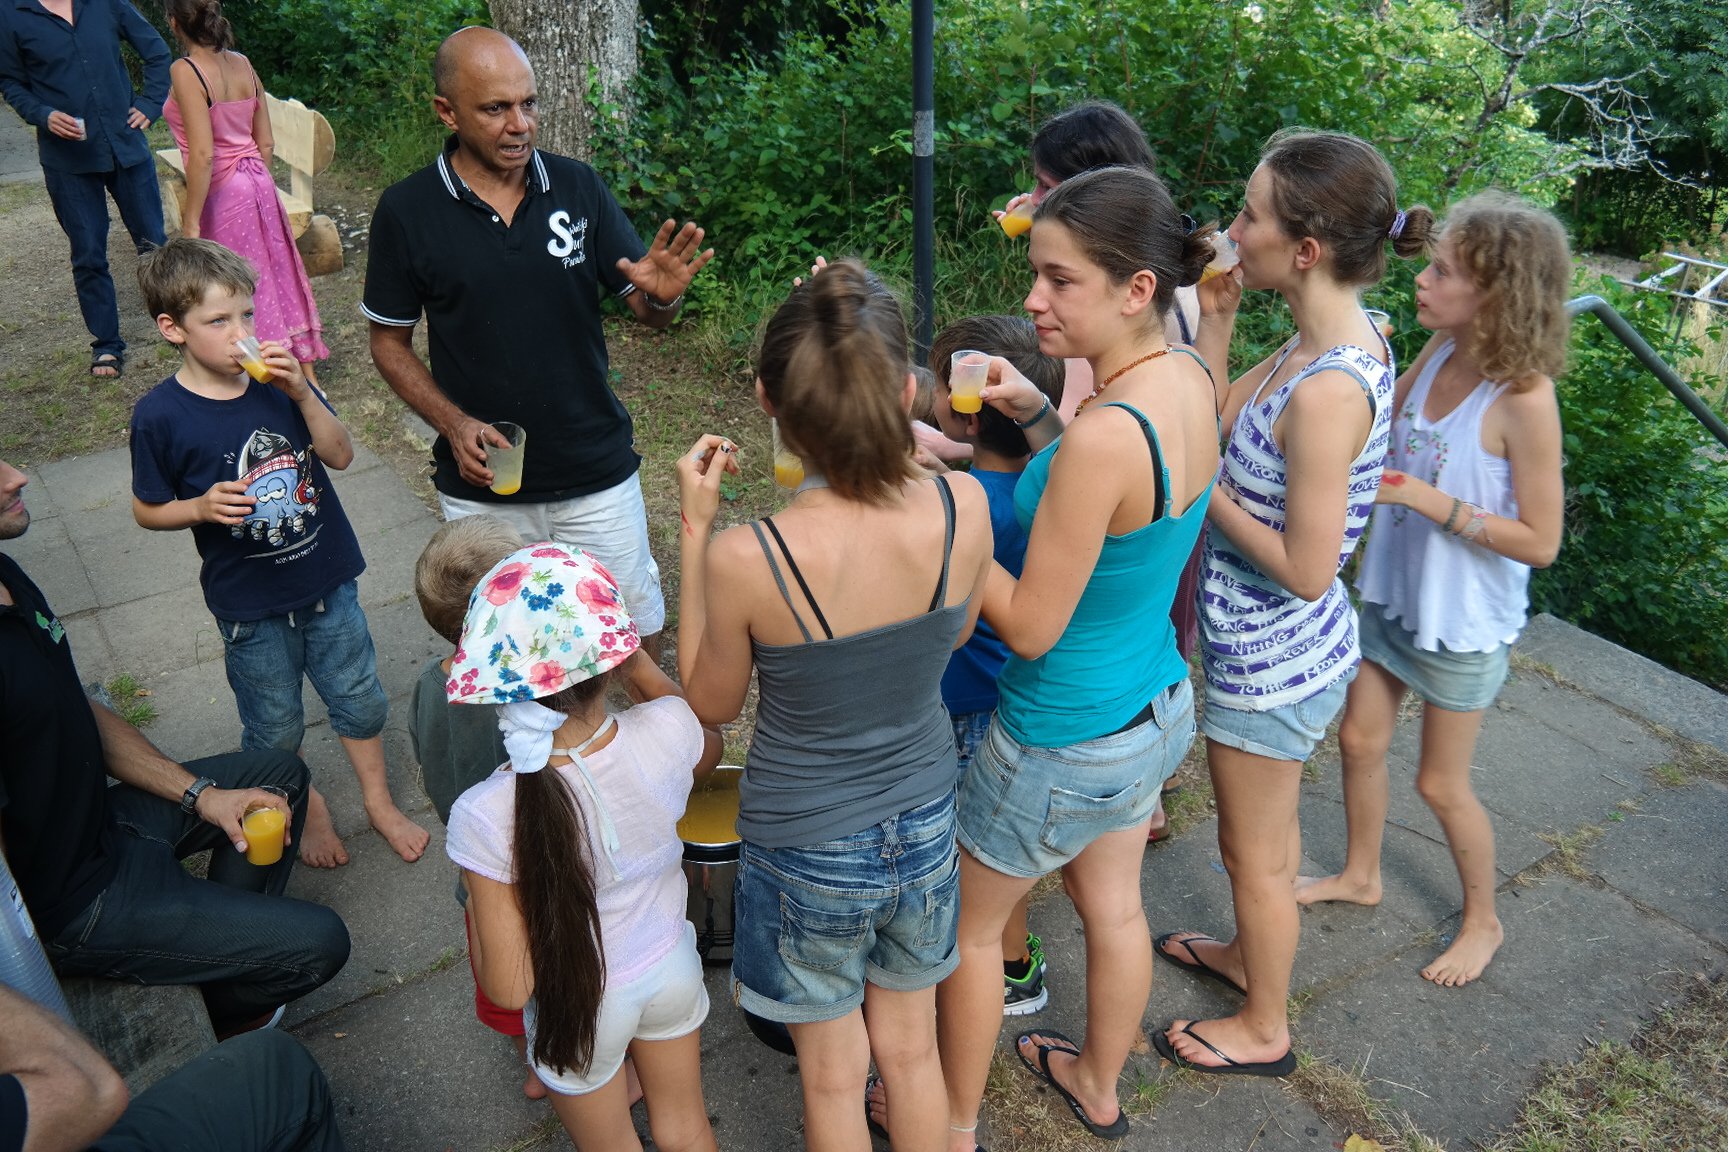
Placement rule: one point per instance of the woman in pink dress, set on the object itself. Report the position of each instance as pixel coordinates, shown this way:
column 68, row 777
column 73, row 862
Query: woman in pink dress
column 217, row 114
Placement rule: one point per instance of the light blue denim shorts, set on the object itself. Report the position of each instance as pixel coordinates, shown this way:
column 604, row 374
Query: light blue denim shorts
column 327, row 643
column 1455, row 681
column 814, row 924
column 1027, row 811
column 970, row 729
column 1291, row 732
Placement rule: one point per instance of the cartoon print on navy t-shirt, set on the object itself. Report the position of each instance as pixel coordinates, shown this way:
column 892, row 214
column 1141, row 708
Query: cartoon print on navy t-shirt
column 280, row 480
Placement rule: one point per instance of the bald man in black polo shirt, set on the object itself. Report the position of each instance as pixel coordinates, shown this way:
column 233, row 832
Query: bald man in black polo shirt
column 506, row 250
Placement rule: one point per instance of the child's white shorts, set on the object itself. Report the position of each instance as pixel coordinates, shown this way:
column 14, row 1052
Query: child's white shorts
column 665, row 1002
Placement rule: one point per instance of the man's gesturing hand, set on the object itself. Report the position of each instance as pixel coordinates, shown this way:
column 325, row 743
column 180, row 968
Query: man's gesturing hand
column 671, row 263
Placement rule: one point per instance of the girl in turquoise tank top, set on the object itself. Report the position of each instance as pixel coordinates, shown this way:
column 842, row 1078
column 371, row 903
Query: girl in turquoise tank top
column 846, row 606
column 1095, row 708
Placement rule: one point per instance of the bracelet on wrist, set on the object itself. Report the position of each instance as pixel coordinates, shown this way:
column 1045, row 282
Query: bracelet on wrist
column 648, row 297
column 1042, row 412
column 1452, row 516
column 1476, row 526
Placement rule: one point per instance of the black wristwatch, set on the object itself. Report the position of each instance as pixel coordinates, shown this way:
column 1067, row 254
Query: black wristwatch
column 189, row 802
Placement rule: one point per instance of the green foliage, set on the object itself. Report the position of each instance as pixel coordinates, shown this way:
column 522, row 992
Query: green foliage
column 366, row 64
column 1645, row 561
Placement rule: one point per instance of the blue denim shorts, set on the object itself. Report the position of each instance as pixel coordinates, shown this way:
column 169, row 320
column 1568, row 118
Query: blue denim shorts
column 816, row 923
column 1455, row 681
column 1027, row 811
column 328, row 643
column 1291, row 732
column 970, row 728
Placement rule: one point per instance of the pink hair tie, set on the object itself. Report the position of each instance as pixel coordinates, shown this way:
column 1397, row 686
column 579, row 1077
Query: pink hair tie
column 1397, row 228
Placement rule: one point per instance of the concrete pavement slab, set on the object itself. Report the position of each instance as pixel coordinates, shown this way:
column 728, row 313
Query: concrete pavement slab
column 162, row 632
column 1668, row 857
column 195, row 714
column 1580, row 964
column 391, row 554
column 1619, row 741
column 403, row 918
column 1629, row 680
column 51, row 560
column 413, row 1071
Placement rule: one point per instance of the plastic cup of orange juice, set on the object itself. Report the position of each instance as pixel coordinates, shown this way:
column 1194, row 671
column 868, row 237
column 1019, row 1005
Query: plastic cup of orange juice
column 967, row 371
column 788, row 467
column 264, row 825
column 506, row 463
column 1224, row 257
column 1381, row 321
column 252, row 359
column 1018, row 220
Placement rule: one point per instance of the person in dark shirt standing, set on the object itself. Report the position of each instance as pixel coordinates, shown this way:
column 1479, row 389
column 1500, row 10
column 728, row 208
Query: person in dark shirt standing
column 506, row 250
column 60, row 69
column 99, row 867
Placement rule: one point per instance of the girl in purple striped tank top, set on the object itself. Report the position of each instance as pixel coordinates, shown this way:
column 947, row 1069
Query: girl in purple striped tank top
column 1307, row 431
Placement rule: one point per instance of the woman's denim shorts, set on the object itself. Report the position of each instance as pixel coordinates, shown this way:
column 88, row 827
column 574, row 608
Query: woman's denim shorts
column 1290, row 732
column 1027, row 811
column 816, row 923
column 1455, row 681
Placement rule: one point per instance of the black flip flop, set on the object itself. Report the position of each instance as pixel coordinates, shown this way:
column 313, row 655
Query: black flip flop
column 1196, row 965
column 1113, row 1131
column 1282, row 1066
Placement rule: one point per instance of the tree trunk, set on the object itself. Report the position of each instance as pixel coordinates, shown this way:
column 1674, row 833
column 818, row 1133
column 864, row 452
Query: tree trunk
column 570, row 43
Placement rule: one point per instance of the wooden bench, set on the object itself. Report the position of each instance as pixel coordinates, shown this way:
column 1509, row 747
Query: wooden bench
column 306, row 145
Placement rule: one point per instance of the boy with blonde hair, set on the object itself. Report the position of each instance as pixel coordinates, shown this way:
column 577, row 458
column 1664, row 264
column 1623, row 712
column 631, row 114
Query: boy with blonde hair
column 241, row 462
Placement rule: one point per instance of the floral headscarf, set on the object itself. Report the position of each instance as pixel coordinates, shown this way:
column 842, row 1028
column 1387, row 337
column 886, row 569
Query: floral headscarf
column 542, row 619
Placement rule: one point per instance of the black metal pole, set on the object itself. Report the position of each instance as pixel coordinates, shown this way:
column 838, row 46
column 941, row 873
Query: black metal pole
column 1647, row 356
column 923, row 177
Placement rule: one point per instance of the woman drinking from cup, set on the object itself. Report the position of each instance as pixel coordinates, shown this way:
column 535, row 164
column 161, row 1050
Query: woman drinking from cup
column 1308, row 432
column 847, row 605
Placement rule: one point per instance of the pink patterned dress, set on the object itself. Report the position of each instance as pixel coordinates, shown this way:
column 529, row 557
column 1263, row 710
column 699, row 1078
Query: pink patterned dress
column 242, row 213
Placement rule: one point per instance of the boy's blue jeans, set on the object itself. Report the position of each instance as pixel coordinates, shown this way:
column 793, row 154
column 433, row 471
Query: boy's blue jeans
column 250, row 947
column 80, row 202
column 328, row 643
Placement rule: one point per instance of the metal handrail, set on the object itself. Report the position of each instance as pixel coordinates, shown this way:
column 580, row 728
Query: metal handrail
column 1647, row 356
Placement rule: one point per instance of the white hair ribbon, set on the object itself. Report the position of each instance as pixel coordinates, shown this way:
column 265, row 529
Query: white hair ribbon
column 528, row 727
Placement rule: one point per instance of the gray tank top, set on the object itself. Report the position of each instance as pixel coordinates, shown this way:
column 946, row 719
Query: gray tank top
column 849, row 731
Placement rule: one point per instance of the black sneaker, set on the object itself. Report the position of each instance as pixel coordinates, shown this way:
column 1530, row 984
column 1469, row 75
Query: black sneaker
column 1026, row 995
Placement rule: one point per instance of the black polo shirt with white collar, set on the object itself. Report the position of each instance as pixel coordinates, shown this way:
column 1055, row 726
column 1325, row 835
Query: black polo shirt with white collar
column 513, row 314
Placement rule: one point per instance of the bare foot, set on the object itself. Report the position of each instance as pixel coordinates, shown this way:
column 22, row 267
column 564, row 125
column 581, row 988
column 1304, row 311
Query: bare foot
column 406, row 837
column 876, row 1101
column 1468, row 956
column 320, row 847
column 1325, row 889
column 1230, row 1036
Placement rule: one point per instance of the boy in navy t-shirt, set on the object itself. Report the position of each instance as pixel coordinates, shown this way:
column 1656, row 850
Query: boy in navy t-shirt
column 241, row 463
column 999, row 455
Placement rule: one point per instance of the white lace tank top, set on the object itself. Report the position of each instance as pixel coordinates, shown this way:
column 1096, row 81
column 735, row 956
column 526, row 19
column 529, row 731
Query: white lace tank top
column 1450, row 592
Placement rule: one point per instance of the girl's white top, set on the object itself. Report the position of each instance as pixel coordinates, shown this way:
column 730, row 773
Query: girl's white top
column 1263, row 646
column 643, row 778
column 1450, row 592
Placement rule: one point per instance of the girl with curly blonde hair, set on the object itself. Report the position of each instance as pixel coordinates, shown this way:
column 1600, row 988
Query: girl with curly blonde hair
column 1469, row 502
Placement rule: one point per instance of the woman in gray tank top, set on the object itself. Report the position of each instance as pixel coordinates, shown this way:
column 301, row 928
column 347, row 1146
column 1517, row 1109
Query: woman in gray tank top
column 846, row 605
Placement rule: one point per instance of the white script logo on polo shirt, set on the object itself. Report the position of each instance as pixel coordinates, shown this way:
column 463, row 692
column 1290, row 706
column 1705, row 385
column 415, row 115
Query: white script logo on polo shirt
column 567, row 241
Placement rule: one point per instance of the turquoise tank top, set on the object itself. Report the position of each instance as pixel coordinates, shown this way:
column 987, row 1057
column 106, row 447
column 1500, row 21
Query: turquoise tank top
column 1119, row 649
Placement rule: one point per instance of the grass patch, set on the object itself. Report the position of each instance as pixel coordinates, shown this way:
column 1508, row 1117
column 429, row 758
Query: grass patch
column 1665, row 1089
column 1343, row 1098
column 131, row 701
column 1567, row 859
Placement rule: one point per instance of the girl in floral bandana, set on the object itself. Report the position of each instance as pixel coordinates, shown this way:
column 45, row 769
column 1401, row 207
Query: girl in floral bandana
column 570, row 851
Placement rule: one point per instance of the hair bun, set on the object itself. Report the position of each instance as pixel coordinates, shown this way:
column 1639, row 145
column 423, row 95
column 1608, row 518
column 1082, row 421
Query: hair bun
column 1415, row 233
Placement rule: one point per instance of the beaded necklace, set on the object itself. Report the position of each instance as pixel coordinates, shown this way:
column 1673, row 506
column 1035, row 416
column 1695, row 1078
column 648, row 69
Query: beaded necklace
column 1111, row 379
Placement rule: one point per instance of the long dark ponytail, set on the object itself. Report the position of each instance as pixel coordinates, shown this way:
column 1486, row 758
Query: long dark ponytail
column 556, row 891
column 201, row 22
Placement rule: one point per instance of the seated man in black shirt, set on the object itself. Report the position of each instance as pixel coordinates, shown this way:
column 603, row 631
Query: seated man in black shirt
column 99, row 867
column 261, row 1092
